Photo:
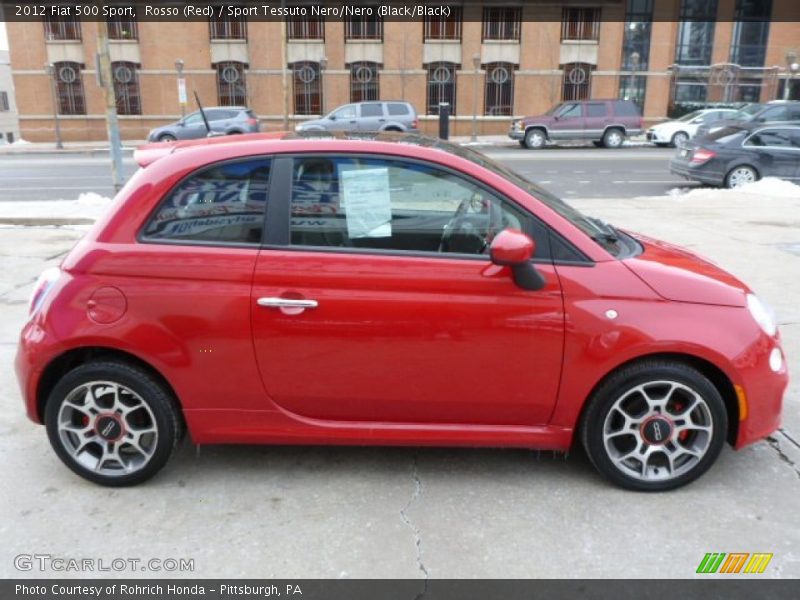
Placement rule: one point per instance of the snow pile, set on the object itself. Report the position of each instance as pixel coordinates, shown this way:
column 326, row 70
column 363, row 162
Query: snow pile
column 19, row 142
column 769, row 186
column 88, row 207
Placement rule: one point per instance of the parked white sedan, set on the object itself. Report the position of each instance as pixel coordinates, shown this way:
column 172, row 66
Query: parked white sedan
column 676, row 133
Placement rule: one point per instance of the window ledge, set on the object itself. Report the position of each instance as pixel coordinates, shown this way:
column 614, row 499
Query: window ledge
column 517, row 42
column 437, row 41
column 581, row 42
column 58, row 42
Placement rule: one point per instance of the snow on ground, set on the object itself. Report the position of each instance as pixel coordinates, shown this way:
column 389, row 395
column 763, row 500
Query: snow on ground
column 769, row 186
column 88, row 205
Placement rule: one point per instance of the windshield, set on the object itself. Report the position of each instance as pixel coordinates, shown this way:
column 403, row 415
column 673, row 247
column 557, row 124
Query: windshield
column 602, row 233
column 554, row 109
column 688, row 117
column 746, row 113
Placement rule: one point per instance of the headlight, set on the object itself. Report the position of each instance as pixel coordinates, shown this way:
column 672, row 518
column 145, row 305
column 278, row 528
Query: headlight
column 516, row 125
column 762, row 314
column 298, row 128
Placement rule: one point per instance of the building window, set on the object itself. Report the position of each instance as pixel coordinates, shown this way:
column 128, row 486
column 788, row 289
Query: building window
column 443, row 28
column 364, row 81
column 307, row 88
column 305, row 29
column 502, row 23
column 638, row 27
column 228, row 29
column 231, row 84
column 62, row 28
column 577, row 81
column 4, row 105
column 126, row 88
column 441, row 86
column 499, row 98
column 633, row 87
column 69, row 88
column 750, row 32
column 123, row 28
column 696, row 32
column 580, row 24
column 364, row 28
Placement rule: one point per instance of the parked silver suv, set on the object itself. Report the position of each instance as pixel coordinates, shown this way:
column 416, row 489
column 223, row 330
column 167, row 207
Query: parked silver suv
column 222, row 120
column 366, row 116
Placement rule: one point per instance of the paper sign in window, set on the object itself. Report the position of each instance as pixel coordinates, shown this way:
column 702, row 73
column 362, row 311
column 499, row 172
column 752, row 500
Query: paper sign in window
column 367, row 202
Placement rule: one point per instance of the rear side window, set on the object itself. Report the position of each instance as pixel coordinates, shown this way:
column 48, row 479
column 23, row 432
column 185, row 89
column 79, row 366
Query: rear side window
column 224, row 203
column 626, row 109
column 596, row 109
column 397, row 109
column 778, row 138
column 779, row 113
column 371, row 110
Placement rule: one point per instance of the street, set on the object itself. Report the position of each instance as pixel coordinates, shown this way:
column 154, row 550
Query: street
column 335, row 512
column 570, row 172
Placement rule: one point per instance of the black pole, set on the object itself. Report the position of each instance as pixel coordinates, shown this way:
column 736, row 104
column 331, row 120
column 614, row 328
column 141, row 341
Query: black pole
column 444, row 120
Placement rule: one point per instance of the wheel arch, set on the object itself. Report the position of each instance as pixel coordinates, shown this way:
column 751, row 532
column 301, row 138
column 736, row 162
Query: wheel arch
column 712, row 372
column 544, row 129
column 619, row 126
column 65, row 362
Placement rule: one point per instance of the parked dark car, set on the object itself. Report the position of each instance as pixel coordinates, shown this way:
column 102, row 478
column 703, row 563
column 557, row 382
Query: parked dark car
column 740, row 154
column 777, row 111
column 604, row 122
column 366, row 116
column 223, row 120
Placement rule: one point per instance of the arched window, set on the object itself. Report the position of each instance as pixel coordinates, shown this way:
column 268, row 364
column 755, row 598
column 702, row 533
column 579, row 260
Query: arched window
column 126, row 88
column 231, row 84
column 364, row 81
column 69, row 88
column 441, row 86
column 499, row 89
column 577, row 81
column 307, row 88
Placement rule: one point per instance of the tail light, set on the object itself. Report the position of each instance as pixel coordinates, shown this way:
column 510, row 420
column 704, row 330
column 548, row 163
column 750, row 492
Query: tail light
column 415, row 123
column 252, row 122
column 42, row 287
column 702, row 155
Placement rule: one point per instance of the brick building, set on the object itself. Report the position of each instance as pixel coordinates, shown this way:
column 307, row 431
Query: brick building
column 490, row 60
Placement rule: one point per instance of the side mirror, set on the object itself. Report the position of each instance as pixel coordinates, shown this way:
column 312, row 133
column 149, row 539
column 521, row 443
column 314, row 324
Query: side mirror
column 512, row 248
column 181, row 123
column 332, row 117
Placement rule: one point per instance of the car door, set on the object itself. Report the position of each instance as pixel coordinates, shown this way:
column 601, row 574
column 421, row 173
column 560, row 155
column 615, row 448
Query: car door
column 371, row 117
column 343, row 119
column 193, row 127
column 774, row 151
column 568, row 123
column 596, row 119
column 380, row 303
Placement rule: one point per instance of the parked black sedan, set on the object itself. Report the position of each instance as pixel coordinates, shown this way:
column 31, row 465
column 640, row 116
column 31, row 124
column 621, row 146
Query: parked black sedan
column 740, row 154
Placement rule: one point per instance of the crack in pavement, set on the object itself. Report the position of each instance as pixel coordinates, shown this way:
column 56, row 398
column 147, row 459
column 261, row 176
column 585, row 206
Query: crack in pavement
column 775, row 443
column 417, row 537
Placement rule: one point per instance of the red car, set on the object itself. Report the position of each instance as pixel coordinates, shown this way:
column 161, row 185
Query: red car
column 396, row 290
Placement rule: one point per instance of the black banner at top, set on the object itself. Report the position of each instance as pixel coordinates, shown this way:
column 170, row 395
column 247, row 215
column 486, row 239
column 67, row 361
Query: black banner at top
column 392, row 10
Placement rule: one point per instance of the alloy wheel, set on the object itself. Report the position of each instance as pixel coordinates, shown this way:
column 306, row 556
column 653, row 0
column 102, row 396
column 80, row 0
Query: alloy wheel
column 741, row 176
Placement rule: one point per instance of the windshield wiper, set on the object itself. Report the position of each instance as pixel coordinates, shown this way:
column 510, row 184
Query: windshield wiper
column 606, row 232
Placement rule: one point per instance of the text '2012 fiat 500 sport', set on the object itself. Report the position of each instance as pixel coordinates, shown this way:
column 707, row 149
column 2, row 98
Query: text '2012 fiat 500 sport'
column 389, row 290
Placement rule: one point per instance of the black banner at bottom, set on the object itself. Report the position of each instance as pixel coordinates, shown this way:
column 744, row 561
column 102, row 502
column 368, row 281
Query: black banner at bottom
column 734, row 588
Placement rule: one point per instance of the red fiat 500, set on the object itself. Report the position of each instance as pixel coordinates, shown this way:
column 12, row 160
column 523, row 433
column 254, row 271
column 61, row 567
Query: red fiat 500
column 299, row 289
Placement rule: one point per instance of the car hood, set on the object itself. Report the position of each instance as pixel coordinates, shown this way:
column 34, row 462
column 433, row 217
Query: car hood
column 544, row 119
column 675, row 273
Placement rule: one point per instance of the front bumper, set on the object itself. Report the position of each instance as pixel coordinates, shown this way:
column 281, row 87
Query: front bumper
column 656, row 137
column 516, row 134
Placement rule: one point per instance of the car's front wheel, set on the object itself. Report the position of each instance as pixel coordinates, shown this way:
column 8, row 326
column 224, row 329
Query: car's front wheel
column 654, row 426
column 166, row 137
column 112, row 423
column 741, row 175
column 535, row 139
column 679, row 139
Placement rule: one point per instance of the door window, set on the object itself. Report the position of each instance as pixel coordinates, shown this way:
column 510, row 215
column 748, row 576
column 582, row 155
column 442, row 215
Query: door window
column 383, row 204
column 596, row 110
column 346, row 112
column 572, row 111
column 777, row 138
column 224, row 203
column 372, row 110
column 193, row 119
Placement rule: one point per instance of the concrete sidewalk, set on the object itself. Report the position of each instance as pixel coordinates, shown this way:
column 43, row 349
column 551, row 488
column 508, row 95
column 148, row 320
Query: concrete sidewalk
column 417, row 513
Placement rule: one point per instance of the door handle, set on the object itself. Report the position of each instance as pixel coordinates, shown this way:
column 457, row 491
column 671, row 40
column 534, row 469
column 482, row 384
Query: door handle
column 287, row 303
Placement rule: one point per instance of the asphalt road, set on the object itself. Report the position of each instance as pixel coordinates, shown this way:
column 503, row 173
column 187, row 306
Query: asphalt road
column 568, row 172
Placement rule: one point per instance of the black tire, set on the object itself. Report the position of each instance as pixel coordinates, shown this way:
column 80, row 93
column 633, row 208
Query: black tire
column 535, row 139
column 235, row 132
column 661, row 144
column 613, row 138
column 621, row 385
column 163, row 416
column 522, row 143
column 734, row 176
column 679, row 138
column 166, row 137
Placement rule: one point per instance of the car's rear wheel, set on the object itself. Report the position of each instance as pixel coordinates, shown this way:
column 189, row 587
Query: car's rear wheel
column 535, row 139
column 112, row 423
column 654, row 426
column 166, row 137
column 679, row 139
column 741, row 175
column 613, row 138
